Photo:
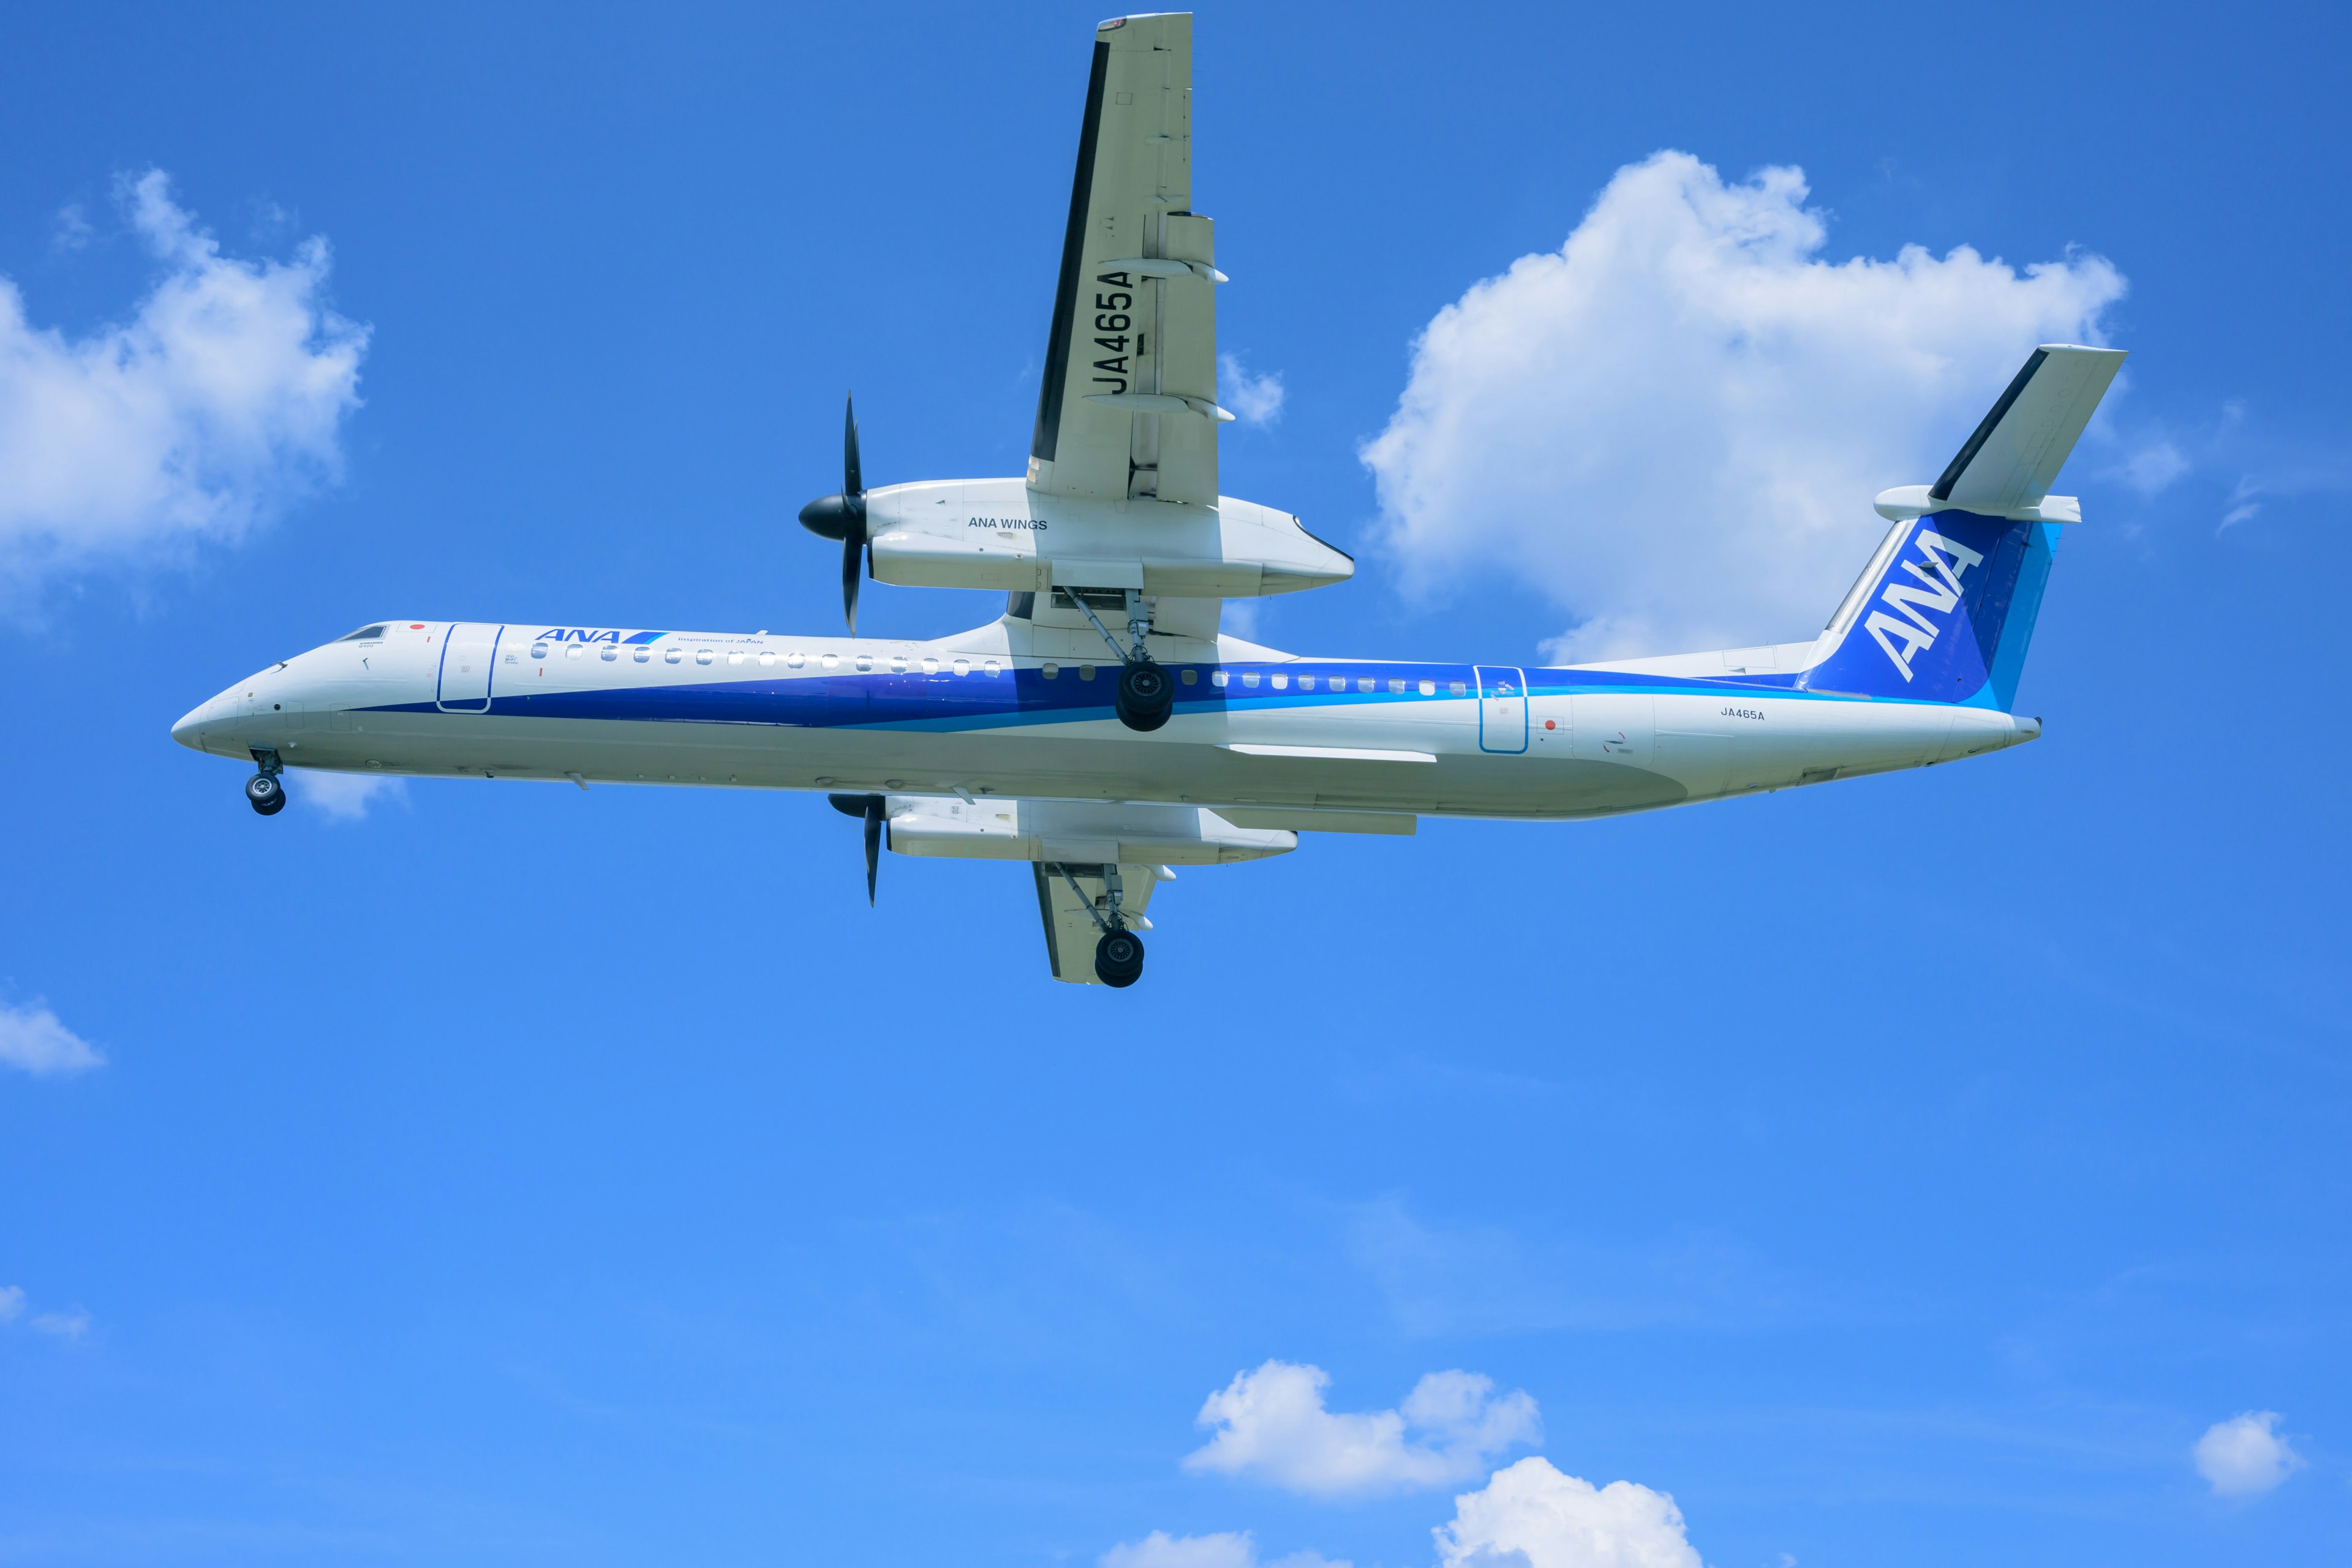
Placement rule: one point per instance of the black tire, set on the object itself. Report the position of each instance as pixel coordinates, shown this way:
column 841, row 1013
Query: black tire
column 1118, row 958
column 266, row 793
column 1147, row 695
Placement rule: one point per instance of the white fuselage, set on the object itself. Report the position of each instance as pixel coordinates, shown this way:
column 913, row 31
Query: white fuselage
column 1011, row 709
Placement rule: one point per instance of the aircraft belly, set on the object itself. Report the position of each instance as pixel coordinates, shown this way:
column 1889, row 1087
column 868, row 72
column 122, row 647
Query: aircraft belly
column 1042, row 761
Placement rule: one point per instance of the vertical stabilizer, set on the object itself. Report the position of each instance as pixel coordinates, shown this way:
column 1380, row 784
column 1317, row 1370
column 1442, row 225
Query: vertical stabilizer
column 1945, row 608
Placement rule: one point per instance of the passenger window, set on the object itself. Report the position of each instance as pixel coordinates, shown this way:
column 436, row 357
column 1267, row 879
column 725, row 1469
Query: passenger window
column 991, row 667
column 1305, row 683
column 1363, row 683
column 573, row 650
column 1282, row 683
column 643, row 655
column 673, row 655
column 831, row 661
column 963, row 666
column 735, row 657
column 1217, row 677
column 702, row 656
column 1395, row 684
column 1190, row 677
column 539, row 650
column 1249, row 678
column 1050, row 671
column 767, row 657
column 1429, row 689
column 1455, row 689
column 1086, row 672
column 897, row 664
column 608, row 653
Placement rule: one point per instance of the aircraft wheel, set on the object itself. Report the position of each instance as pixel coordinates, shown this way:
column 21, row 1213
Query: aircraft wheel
column 1147, row 695
column 266, row 793
column 1118, row 958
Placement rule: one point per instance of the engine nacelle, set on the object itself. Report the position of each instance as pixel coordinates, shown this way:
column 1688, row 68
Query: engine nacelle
column 1000, row 534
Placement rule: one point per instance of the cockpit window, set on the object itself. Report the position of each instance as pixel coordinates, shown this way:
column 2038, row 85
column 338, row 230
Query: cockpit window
column 365, row 633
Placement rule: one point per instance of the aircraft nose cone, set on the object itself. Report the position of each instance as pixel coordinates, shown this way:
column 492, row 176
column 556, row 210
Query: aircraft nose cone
column 190, row 731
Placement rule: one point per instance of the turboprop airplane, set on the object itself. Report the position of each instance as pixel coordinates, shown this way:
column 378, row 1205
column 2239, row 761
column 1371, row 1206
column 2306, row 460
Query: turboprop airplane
column 1105, row 761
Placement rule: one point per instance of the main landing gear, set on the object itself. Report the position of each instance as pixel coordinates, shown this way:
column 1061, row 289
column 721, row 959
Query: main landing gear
column 1147, row 692
column 263, row 790
column 1118, row 956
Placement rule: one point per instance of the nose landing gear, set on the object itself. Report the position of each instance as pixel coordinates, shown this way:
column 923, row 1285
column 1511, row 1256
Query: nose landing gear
column 263, row 790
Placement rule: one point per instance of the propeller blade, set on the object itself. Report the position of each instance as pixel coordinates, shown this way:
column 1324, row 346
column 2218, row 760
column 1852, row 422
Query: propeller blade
column 851, row 548
column 873, row 844
column 870, row 807
column 852, row 475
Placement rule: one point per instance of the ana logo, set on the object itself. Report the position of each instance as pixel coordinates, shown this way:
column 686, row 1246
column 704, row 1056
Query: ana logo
column 1938, row 574
column 576, row 633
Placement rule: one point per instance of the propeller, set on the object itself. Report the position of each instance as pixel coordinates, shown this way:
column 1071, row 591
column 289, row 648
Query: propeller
column 869, row 806
column 843, row 517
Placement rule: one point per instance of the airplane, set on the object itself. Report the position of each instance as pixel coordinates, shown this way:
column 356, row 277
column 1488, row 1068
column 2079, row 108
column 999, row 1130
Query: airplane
column 1105, row 761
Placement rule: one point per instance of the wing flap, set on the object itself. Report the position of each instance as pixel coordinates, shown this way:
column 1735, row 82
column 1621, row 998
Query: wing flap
column 1134, row 310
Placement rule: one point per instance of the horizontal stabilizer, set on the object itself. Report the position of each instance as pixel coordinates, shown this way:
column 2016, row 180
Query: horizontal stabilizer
column 2014, row 458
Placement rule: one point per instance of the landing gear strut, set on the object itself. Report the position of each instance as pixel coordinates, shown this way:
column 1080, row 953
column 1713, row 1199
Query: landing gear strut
column 263, row 790
column 1118, row 956
column 1147, row 693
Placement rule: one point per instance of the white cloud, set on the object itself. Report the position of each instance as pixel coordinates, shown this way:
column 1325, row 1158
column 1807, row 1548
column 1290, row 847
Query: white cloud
column 1271, row 1424
column 2245, row 1455
column 1232, row 1549
column 1224, row 1550
column 1531, row 1516
column 64, row 1325
column 1253, row 399
column 2243, row 507
column 2154, row 466
column 342, row 797
column 1673, row 426
column 32, row 1039
column 219, row 401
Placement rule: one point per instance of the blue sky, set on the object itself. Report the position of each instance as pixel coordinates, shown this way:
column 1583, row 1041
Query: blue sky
column 1935, row 1168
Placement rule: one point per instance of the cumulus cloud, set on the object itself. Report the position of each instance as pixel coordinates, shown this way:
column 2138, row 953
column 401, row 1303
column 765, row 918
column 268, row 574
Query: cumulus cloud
column 1673, row 426
column 1532, row 1516
column 342, row 797
column 1232, row 1549
column 1271, row 1424
column 31, row 1038
column 220, row 400
column 2245, row 1455
column 1253, row 399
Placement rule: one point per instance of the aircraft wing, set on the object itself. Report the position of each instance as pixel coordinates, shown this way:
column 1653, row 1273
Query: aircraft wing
column 1128, row 407
column 1070, row 929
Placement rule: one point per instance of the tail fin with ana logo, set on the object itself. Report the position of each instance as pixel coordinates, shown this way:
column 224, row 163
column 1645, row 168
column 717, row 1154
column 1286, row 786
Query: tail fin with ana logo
column 1944, row 609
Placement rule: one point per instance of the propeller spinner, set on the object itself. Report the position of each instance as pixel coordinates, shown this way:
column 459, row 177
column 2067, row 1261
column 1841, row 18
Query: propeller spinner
column 843, row 516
